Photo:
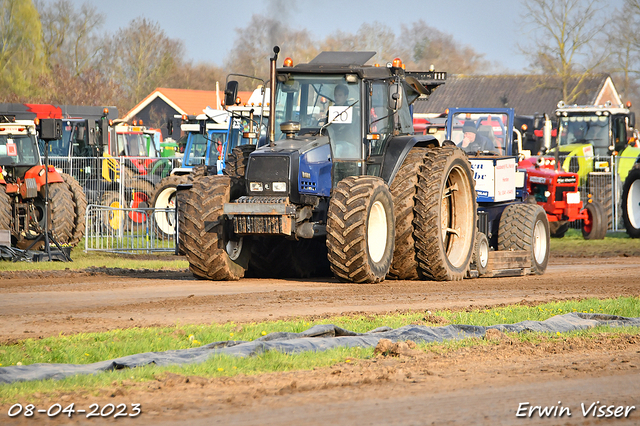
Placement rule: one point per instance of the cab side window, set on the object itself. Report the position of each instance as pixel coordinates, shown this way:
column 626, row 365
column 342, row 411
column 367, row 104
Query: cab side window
column 379, row 120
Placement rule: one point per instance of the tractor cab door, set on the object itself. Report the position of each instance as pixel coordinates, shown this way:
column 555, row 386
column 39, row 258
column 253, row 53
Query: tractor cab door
column 379, row 125
column 216, row 148
column 619, row 132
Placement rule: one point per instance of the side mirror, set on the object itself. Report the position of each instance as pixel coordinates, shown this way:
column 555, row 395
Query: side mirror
column 632, row 119
column 231, row 93
column 395, row 96
column 50, row 129
column 103, row 137
column 90, row 125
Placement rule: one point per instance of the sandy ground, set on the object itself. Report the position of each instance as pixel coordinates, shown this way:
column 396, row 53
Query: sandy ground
column 481, row 385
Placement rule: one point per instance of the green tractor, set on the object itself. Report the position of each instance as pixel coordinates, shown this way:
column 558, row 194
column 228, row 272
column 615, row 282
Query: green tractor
column 597, row 143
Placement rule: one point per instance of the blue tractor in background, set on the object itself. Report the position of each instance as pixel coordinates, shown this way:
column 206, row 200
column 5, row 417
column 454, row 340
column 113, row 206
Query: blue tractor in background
column 513, row 234
column 213, row 138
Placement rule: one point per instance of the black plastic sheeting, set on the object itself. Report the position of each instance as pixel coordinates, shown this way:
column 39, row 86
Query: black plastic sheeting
column 317, row 338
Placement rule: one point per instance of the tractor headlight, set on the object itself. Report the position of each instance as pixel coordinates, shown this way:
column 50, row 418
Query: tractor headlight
column 255, row 186
column 279, row 186
column 573, row 197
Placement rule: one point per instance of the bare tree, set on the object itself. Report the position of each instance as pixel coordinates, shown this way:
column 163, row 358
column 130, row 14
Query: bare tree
column 625, row 51
column 72, row 44
column 71, row 37
column 200, row 76
column 140, row 58
column 426, row 46
column 254, row 45
column 566, row 40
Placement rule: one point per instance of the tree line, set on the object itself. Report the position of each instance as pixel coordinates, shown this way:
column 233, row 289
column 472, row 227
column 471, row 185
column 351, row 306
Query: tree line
column 57, row 53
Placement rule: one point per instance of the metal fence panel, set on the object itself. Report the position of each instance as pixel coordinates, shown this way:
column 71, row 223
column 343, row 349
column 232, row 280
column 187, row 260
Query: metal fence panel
column 127, row 230
column 603, row 182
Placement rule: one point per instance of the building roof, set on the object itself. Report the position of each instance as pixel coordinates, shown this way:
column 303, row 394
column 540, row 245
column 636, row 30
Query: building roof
column 527, row 94
column 185, row 101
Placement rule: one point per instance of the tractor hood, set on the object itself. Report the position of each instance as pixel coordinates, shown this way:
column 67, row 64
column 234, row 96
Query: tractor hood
column 294, row 166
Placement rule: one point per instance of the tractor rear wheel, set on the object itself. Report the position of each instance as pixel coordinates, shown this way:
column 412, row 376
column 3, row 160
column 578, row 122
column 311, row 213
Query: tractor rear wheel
column 164, row 197
column 445, row 215
column 360, row 230
column 526, row 227
column 631, row 203
column 80, row 201
column 5, row 209
column 596, row 228
column 62, row 207
column 237, row 161
column 61, row 220
column 213, row 253
column 403, row 190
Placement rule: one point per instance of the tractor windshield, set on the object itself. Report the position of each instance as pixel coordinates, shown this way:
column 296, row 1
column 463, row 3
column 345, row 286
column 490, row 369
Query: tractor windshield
column 481, row 133
column 198, row 144
column 18, row 150
column 74, row 136
column 585, row 129
column 315, row 101
column 132, row 144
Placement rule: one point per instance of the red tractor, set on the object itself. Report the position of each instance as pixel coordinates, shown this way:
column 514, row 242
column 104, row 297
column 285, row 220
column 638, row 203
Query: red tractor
column 557, row 192
column 23, row 187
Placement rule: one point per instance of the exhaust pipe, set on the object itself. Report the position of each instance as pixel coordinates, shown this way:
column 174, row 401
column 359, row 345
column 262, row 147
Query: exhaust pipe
column 272, row 96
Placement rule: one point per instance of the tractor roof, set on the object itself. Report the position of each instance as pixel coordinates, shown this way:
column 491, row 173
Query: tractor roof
column 342, row 58
column 341, row 63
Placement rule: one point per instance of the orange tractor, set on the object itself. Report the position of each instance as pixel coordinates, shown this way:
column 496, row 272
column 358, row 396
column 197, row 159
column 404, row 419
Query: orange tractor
column 23, row 189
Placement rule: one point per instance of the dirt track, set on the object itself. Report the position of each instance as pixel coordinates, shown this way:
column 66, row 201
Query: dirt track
column 418, row 389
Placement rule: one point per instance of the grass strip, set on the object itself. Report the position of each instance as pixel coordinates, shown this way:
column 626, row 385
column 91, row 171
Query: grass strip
column 92, row 347
column 82, row 260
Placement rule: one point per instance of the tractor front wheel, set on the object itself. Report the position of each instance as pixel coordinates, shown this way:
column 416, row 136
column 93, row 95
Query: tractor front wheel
column 164, row 199
column 211, row 249
column 631, row 203
column 360, row 230
column 80, row 201
column 595, row 227
column 112, row 220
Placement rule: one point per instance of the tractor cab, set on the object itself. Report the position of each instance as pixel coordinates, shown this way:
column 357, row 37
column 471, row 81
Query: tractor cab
column 18, row 147
column 493, row 147
column 336, row 117
column 589, row 135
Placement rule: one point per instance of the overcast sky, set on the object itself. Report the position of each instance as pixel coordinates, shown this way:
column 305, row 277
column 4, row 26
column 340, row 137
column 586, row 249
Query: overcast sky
column 207, row 27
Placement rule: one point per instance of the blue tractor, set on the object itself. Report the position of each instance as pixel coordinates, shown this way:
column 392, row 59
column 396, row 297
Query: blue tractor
column 340, row 184
column 513, row 234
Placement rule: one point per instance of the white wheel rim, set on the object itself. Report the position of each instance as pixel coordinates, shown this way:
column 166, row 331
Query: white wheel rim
column 539, row 242
column 483, row 257
column 234, row 248
column 633, row 204
column 166, row 200
column 377, row 232
column 457, row 216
